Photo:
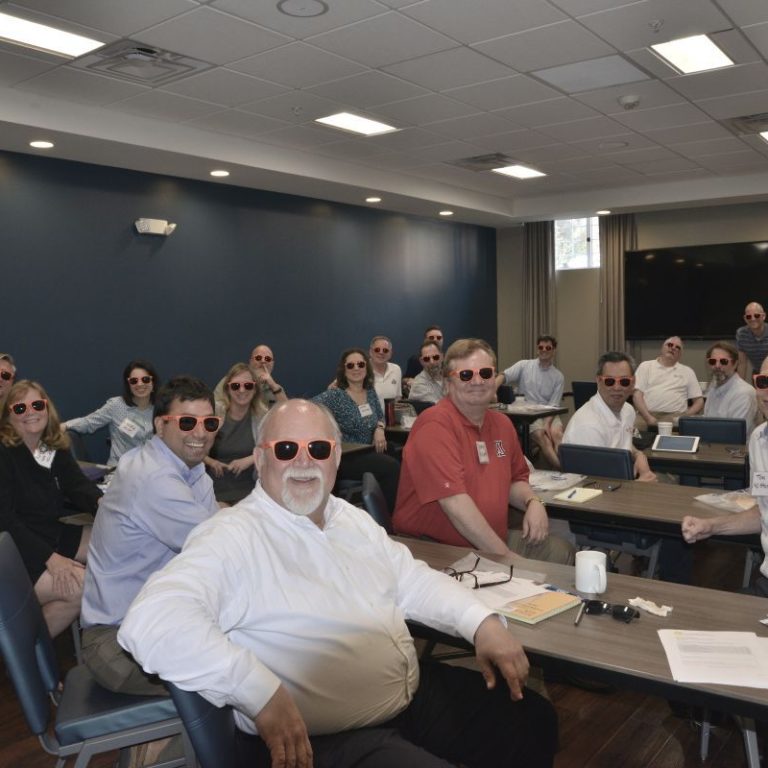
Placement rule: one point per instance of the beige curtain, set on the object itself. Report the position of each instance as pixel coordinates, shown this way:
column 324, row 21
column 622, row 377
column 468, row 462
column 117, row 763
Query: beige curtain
column 538, row 282
column 617, row 234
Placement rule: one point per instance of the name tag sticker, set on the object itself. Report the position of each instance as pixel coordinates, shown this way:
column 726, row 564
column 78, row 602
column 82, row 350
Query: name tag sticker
column 759, row 484
column 365, row 410
column 128, row 427
column 482, row 452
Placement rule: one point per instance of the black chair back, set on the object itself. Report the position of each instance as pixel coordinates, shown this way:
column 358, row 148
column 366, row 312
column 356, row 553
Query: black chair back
column 582, row 391
column 77, row 446
column 505, row 394
column 211, row 729
column 25, row 644
column 714, row 430
column 375, row 503
column 591, row 460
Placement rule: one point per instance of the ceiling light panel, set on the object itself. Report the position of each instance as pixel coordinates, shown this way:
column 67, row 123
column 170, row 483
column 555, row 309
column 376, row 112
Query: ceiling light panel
column 692, row 54
column 45, row 38
column 519, row 172
column 345, row 121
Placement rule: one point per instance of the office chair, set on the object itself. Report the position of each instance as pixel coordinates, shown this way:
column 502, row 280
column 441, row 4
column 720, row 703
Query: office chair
column 88, row 719
column 582, row 391
column 77, row 446
column 211, row 729
column 505, row 394
column 608, row 462
column 375, row 503
column 714, row 430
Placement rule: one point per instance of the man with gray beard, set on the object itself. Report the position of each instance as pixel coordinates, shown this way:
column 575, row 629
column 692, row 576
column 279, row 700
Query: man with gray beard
column 291, row 607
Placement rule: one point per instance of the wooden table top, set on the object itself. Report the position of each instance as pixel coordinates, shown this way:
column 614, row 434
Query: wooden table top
column 660, row 506
column 631, row 654
column 711, row 454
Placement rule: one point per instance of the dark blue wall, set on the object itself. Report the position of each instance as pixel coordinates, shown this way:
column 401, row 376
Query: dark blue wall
column 82, row 293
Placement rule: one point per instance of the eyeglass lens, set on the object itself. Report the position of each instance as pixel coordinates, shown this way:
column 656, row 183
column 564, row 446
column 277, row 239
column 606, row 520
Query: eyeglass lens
column 35, row 405
column 358, row 364
column 610, row 381
column 188, row 423
column 287, row 450
column 760, row 380
column 716, row 360
column 134, row 380
column 469, row 373
column 6, row 375
column 381, row 350
column 247, row 385
column 265, row 358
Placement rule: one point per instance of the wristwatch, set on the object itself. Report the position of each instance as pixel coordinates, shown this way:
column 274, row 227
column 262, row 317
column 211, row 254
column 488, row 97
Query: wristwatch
column 533, row 498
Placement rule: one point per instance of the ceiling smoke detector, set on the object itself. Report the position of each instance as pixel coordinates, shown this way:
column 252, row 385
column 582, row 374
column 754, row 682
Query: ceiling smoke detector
column 628, row 102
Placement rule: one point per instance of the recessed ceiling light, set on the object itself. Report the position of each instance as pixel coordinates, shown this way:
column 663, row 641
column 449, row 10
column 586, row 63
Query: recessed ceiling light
column 356, row 124
column 45, row 38
column 446, row 213
column 220, row 173
column 519, row 171
column 372, row 199
column 692, row 54
column 41, row 144
column 603, row 212
column 764, row 135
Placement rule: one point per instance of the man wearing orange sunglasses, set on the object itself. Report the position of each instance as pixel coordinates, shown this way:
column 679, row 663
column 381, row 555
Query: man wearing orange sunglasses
column 754, row 519
column 664, row 387
column 728, row 395
column 752, row 339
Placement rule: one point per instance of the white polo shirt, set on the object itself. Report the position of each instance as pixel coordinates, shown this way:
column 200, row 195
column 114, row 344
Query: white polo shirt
column 596, row 424
column 733, row 400
column 666, row 389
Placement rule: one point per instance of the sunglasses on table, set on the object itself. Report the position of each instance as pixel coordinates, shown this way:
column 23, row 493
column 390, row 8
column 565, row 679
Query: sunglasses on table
column 430, row 358
column 756, row 316
column 671, row 345
column 246, row 385
column 287, row 450
column 470, row 574
column 722, row 360
column 623, row 613
column 6, row 375
column 467, row 374
column 20, row 408
column 545, row 347
column 381, row 350
column 760, row 380
column 134, row 380
column 624, row 381
column 264, row 358
column 358, row 364
column 188, row 423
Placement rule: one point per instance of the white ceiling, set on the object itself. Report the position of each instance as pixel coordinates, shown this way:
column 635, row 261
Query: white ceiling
column 538, row 80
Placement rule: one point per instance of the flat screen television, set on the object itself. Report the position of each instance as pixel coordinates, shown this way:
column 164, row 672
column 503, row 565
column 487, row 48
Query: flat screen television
column 693, row 291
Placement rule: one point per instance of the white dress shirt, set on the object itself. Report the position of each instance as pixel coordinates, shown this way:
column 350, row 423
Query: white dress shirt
column 734, row 399
column 261, row 596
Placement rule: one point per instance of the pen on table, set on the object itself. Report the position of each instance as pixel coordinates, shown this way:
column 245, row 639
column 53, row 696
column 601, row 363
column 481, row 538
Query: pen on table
column 571, row 494
column 579, row 614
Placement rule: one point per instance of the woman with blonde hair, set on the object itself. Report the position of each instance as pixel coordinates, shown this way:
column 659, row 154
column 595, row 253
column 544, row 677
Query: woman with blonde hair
column 38, row 477
column 230, row 462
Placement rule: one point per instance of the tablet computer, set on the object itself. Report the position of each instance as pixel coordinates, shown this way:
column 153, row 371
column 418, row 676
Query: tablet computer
column 677, row 443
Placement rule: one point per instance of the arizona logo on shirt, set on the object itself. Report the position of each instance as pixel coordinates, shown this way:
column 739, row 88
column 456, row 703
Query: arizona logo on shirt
column 500, row 452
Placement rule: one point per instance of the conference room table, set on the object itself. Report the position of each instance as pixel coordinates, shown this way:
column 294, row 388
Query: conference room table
column 628, row 655
column 710, row 460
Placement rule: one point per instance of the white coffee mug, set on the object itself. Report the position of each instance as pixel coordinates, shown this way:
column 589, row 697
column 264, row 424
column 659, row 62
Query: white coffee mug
column 665, row 427
column 591, row 572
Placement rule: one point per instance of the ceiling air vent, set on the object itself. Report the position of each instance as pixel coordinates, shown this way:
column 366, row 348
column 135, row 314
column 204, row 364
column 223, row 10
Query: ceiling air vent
column 484, row 162
column 749, row 123
column 143, row 64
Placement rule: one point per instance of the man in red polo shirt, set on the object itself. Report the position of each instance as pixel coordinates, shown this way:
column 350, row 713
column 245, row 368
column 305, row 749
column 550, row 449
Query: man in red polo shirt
column 462, row 467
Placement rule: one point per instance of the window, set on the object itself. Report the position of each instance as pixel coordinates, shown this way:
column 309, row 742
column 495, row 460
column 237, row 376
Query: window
column 577, row 243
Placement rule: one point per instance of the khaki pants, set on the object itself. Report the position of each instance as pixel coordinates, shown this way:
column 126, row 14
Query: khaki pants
column 553, row 549
column 115, row 668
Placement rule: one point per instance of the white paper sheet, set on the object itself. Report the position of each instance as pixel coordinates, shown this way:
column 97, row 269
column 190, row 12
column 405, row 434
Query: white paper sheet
column 547, row 480
column 725, row 658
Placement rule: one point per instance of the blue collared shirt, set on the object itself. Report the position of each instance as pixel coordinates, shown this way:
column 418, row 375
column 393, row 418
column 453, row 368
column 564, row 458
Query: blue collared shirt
column 144, row 518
